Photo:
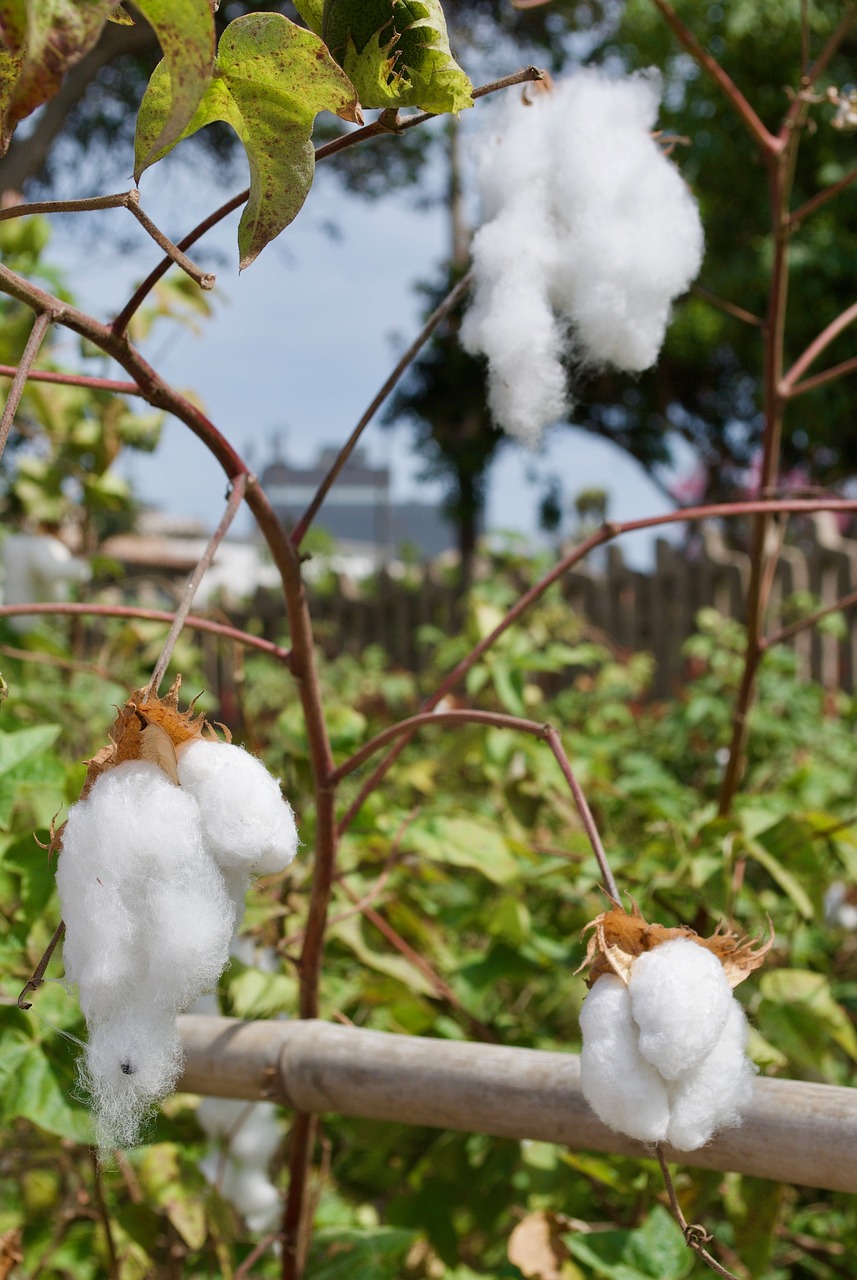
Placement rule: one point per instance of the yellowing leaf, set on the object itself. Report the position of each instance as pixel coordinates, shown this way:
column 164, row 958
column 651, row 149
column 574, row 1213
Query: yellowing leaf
column 312, row 12
column 185, row 31
column 271, row 80
column 397, row 53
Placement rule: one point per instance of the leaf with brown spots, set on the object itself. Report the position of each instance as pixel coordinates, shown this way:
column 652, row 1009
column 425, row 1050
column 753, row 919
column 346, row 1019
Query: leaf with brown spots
column 619, row 936
column 271, row 80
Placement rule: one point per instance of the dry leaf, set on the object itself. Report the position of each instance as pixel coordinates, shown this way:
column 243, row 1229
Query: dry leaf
column 536, row 1249
column 619, row 937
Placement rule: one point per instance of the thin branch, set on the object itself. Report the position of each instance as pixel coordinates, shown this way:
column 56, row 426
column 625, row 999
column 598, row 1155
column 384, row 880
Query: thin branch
column 246, row 1268
column 806, row 210
column 74, row 380
column 607, row 533
column 832, row 374
column 449, row 302
column 150, row 615
column 376, row 129
column 124, row 200
column 552, row 738
column 204, row 279
column 815, row 348
column 104, row 1215
column 236, row 497
column 695, row 1236
column 803, row 624
column 22, row 373
column 52, row 660
column 38, row 977
column 766, row 141
column 722, row 304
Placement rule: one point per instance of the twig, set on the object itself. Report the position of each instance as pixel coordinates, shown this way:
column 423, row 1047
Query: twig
column 38, row 977
column 104, row 1215
column 803, row 624
column 449, row 302
column 832, row 374
column 124, row 200
column 51, row 660
column 722, row 304
column 815, row 348
column 805, row 210
column 236, row 497
column 255, row 1254
column 374, row 130
column 22, row 373
column 73, row 380
column 832, row 43
column 695, row 1236
column 76, row 609
column 768, row 143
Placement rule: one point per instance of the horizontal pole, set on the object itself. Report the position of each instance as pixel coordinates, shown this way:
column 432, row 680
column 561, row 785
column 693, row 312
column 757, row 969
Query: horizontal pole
column 793, row 1131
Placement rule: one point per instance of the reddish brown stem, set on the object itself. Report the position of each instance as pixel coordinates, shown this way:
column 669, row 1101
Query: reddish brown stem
column 767, row 142
column 150, row 615
column 806, row 210
column 73, row 380
column 236, row 497
column 38, row 977
column 815, row 348
column 730, row 308
column 695, row 1236
column 22, row 373
column 449, row 302
column 833, row 374
column 803, row 624
column 792, row 116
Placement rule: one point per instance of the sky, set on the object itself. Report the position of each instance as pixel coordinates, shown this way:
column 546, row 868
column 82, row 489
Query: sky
column 300, row 342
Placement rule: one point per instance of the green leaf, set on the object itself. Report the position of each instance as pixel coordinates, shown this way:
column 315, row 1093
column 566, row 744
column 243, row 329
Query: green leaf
column 185, row 31
column 655, row 1251
column 25, row 743
column 376, row 1253
column 33, row 1090
column 312, row 12
column 394, row 966
column 57, row 35
column 782, row 876
column 396, row 59
column 271, row 80
column 813, row 1013
column 464, row 842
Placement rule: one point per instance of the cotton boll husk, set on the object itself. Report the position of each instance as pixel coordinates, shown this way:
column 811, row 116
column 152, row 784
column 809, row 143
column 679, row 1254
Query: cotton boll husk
column 680, row 1000
column 624, row 1091
column 147, row 1045
column 713, row 1095
column 246, row 823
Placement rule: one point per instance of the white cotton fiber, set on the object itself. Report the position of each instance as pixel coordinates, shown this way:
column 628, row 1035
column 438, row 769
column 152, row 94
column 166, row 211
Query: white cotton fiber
column 251, row 1137
column 247, row 826
column 624, row 1091
column 148, row 923
column 588, row 231
column 713, row 1095
column 680, row 1000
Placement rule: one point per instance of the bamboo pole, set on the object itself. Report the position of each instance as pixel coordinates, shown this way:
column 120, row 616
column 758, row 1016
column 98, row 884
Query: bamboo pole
column 793, row 1131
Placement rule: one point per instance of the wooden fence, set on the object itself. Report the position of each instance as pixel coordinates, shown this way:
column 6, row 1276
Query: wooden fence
column 636, row 610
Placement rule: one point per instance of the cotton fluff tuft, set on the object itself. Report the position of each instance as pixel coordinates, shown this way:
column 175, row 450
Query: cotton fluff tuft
column 587, row 228
column 664, row 1058
column 243, row 1140
column 246, row 824
column 148, row 923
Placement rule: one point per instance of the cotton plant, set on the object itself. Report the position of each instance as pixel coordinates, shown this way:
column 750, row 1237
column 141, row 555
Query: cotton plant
column 243, row 1140
column 155, row 859
column 664, row 1039
column 588, row 234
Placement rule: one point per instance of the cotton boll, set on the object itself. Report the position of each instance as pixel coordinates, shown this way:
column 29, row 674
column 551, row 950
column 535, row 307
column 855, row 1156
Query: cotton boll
column 680, row 1000
column 256, row 1137
column 218, row 1116
column 713, row 1095
column 193, row 926
column 624, row 1091
column 255, row 1197
column 246, row 823
column 131, row 1062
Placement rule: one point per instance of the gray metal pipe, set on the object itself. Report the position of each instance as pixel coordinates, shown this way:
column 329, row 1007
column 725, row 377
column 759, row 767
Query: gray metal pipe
column 793, row 1131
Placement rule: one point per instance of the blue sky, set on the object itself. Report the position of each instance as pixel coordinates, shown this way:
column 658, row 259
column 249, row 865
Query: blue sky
column 300, row 341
